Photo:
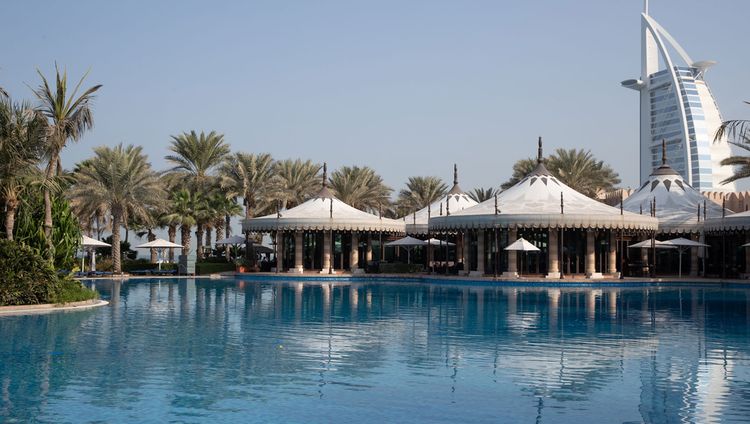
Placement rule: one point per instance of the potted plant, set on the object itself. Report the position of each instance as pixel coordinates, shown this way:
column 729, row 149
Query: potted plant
column 242, row 264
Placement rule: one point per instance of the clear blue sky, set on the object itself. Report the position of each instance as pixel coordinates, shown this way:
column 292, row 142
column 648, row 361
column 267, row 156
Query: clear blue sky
column 407, row 87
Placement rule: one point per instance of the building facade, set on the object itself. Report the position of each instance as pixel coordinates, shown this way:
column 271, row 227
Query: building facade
column 677, row 106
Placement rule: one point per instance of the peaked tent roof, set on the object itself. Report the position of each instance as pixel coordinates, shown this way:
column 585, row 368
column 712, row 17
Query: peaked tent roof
column 735, row 221
column 535, row 202
column 454, row 201
column 323, row 212
column 679, row 207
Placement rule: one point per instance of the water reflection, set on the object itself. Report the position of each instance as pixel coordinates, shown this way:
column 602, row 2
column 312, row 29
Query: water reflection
column 207, row 350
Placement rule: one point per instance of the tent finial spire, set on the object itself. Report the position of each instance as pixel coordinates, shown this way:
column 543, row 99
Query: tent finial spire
column 455, row 174
column 539, row 153
column 663, row 152
column 325, row 175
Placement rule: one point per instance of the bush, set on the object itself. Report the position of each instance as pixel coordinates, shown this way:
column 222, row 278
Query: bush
column 389, row 268
column 203, row 268
column 139, row 264
column 28, row 279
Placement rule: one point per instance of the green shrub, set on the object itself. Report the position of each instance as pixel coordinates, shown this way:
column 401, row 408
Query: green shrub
column 27, row 279
column 139, row 264
column 389, row 268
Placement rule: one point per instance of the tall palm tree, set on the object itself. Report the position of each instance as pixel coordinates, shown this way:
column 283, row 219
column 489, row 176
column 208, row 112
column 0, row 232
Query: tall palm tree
column 249, row 176
column 739, row 131
column 69, row 116
column 120, row 178
column 22, row 132
column 360, row 187
column 294, row 182
column 224, row 208
column 196, row 156
column 480, row 194
column 420, row 192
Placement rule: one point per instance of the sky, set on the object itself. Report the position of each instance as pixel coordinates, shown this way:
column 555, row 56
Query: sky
column 406, row 87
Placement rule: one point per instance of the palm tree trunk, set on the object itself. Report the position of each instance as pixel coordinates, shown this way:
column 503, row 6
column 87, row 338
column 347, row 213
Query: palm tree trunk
column 172, row 234
column 152, row 237
column 51, row 166
column 219, row 225
column 199, row 240
column 10, row 218
column 185, row 238
column 209, row 232
column 227, row 233
column 117, row 263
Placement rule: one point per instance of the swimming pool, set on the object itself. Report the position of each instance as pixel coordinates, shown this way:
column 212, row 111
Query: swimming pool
column 199, row 351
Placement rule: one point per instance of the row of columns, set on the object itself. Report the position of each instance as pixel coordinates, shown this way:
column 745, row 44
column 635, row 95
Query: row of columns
column 299, row 266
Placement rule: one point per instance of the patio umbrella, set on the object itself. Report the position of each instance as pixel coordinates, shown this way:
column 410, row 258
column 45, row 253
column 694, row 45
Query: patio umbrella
column 407, row 243
column 159, row 245
column 437, row 242
column 233, row 240
column 683, row 244
column 91, row 243
column 646, row 244
column 521, row 245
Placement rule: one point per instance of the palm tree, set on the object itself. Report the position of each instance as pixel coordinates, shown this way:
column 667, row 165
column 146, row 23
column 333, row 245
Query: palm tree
column 121, row 179
column 248, row 176
column 182, row 213
column 480, row 194
column 224, row 208
column 22, row 132
column 579, row 169
column 69, row 116
column 294, row 182
column 195, row 156
column 359, row 187
column 739, row 130
column 520, row 169
column 582, row 172
column 420, row 192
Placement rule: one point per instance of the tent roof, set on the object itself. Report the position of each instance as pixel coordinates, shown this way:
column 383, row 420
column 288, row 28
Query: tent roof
column 735, row 221
column 87, row 241
column 522, row 245
column 407, row 241
column 677, row 203
column 231, row 240
column 323, row 212
column 454, row 201
column 534, row 202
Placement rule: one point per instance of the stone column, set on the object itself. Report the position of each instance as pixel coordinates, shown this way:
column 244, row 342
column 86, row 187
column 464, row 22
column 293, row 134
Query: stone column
column 612, row 261
column 368, row 252
column 466, row 246
column 279, row 251
column 299, row 264
column 553, row 259
column 480, row 254
column 327, row 240
column 590, row 265
column 354, row 255
column 512, row 271
column 694, row 257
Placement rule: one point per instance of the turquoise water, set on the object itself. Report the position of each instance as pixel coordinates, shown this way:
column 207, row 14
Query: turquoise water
column 200, row 351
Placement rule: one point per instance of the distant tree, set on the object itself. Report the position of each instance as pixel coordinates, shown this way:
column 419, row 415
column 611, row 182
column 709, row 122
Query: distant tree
column 520, row 169
column 360, row 187
column 249, row 176
column 420, row 192
column 480, row 194
column 195, row 156
column 294, row 182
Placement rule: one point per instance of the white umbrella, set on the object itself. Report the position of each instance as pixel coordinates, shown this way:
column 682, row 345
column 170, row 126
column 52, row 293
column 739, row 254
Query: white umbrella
column 646, row 244
column 522, row 245
column 92, row 243
column 407, row 243
column 437, row 242
column 159, row 245
column 683, row 244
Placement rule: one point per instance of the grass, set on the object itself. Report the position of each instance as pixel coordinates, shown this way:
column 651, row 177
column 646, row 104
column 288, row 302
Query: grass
column 73, row 291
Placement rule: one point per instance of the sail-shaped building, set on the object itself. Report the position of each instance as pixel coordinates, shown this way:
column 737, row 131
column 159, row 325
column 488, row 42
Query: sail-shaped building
column 677, row 106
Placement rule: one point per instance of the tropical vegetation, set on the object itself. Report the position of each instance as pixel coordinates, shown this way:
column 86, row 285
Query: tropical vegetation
column 738, row 131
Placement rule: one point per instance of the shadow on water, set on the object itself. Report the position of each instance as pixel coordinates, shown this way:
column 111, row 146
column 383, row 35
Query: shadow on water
column 207, row 350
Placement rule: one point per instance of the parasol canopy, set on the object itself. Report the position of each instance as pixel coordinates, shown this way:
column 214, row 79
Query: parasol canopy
column 522, row 245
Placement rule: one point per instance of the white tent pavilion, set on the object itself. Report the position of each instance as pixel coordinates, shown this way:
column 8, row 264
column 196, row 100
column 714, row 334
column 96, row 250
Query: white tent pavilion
column 159, row 245
column 683, row 245
column 91, row 243
column 324, row 214
column 407, row 243
column 680, row 208
column 454, row 201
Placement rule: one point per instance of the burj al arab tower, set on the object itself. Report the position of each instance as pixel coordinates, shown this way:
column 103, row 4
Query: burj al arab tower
column 677, row 106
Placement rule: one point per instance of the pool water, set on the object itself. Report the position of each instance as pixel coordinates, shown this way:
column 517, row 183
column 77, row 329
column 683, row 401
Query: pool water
column 200, row 351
